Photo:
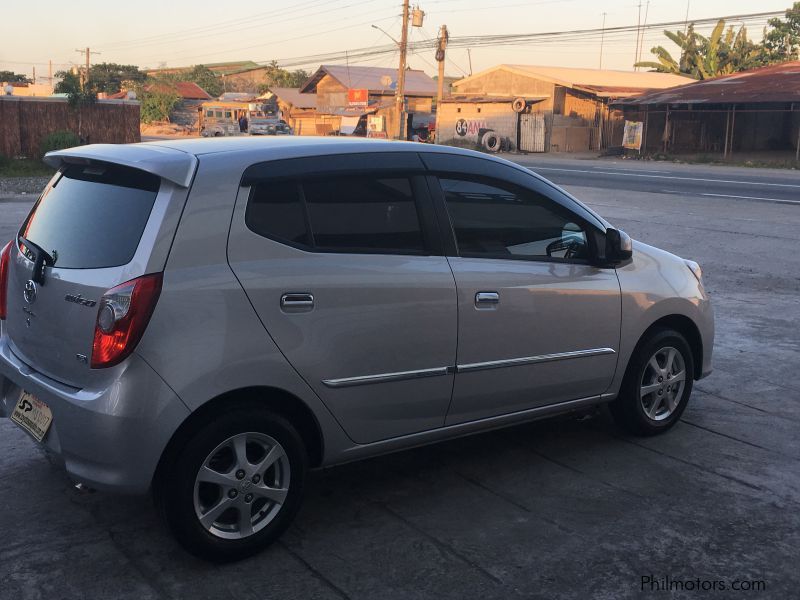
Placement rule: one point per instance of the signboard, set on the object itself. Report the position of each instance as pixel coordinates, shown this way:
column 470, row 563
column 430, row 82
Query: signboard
column 375, row 124
column 357, row 97
column 469, row 127
column 632, row 135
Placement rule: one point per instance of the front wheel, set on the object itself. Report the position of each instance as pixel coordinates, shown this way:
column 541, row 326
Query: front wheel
column 657, row 384
column 236, row 484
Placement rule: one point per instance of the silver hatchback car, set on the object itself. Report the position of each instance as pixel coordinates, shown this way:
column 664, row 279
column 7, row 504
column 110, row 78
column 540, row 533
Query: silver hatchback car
column 208, row 319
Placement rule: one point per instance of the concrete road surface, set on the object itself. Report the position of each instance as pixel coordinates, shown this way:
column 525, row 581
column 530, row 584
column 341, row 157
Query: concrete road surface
column 556, row 509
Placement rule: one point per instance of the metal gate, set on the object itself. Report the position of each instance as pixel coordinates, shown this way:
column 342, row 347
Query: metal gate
column 531, row 132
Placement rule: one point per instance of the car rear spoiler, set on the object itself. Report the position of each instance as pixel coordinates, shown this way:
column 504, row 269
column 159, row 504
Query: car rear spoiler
column 167, row 163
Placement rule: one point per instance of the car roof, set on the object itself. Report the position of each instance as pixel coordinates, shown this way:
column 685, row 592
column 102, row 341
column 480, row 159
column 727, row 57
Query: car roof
column 176, row 159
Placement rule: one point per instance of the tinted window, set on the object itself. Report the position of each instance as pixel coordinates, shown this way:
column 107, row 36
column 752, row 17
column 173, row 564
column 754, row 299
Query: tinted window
column 93, row 216
column 275, row 211
column 364, row 214
column 504, row 221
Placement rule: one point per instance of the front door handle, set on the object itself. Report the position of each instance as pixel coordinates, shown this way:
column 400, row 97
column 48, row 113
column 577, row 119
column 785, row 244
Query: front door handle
column 487, row 299
column 297, row 302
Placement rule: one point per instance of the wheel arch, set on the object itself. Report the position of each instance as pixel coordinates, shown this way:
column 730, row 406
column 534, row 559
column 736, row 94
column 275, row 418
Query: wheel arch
column 278, row 400
column 688, row 329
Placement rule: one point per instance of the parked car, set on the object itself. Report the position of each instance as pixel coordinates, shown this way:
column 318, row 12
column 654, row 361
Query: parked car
column 209, row 319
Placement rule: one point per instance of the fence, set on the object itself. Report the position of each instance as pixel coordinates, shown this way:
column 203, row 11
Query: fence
column 25, row 122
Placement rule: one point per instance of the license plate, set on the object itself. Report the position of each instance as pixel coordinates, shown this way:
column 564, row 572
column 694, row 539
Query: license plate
column 33, row 415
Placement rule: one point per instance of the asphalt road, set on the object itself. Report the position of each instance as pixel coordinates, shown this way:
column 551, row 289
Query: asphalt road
column 556, row 509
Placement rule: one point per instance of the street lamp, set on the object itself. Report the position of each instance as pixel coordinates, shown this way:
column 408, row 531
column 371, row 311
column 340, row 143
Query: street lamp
column 386, row 34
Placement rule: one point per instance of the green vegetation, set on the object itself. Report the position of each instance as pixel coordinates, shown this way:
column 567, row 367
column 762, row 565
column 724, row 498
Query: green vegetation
column 157, row 102
column 199, row 74
column 23, row 167
column 278, row 77
column 112, row 77
column 11, row 77
column 58, row 140
column 728, row 51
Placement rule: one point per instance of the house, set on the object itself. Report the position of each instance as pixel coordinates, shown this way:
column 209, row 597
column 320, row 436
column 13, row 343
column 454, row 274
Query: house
column 186, row 110
column 346, row 95
column 297, row 109
column 559, row 109
column 27, row 89
column 750, row 111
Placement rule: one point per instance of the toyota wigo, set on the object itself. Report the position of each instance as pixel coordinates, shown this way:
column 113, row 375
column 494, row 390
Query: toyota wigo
column 209, row 319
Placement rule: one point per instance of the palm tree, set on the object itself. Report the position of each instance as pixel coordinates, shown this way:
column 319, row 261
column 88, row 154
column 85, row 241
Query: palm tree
column 703, row 57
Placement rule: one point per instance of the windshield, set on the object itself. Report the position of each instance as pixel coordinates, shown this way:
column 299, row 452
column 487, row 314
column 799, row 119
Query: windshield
column 93, row 216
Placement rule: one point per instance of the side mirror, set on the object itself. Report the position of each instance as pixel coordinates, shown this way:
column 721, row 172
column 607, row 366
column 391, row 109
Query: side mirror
column 619, row 246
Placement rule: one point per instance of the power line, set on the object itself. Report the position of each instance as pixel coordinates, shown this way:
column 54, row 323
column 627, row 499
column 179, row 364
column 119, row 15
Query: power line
column 523, row 39
column 215, row 27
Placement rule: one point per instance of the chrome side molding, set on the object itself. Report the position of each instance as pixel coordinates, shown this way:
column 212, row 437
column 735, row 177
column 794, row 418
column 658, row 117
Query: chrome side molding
column 386, row 377
column 438, row 371
column 530, row 360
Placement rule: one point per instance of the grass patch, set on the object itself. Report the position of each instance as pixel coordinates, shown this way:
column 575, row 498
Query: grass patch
column 23, row 167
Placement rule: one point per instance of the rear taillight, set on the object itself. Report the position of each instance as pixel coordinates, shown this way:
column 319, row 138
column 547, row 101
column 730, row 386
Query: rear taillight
column 122, row 318
column 5, row 258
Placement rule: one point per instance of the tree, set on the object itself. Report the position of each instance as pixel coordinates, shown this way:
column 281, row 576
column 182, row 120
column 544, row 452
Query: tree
column 157, row 101
column 721, row 53
column 782, row 37
column 278, row 77
column 11, row 77
column 202, row 76
column 78, row 92
column 109, row 77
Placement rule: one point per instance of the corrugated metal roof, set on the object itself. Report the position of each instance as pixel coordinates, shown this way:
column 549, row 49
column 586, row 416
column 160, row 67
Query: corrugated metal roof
column 775, row 83
column 464, row 99
column 375, row 79
column 185, row 89
column 570, row 77
column 294, row 97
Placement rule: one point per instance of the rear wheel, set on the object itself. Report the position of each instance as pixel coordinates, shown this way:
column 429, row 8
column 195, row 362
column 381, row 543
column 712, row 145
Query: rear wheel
column 235, row 485
column 657, row 384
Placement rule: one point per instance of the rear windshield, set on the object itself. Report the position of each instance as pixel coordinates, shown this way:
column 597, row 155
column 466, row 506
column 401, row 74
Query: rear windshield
column 93, row 216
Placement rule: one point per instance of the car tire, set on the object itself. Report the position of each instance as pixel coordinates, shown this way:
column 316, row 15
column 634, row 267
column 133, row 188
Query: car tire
column 657, row 384
column 209, row 479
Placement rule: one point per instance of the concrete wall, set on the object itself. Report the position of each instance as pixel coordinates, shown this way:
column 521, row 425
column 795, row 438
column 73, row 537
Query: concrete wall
column 572, row 118
column 462, row 122
column 504, row 83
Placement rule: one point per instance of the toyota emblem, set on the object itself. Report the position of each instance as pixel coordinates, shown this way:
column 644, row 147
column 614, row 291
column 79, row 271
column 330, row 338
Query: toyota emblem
column 29, row 293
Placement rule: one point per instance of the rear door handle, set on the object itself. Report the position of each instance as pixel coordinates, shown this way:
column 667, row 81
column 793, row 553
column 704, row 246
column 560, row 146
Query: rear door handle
column 297, row 302
column 487, row 299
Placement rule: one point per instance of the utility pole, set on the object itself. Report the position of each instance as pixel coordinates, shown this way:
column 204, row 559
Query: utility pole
column 401, row 76
column 34, row 74
column 88, row 52
column 440, row 55
column 469, row 56
column 50, row 72
column 638, row 26
column 644, row 28
column 602, row 38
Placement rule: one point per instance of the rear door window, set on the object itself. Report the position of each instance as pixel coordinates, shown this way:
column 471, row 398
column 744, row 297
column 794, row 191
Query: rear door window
column 355, row 214
column 93, row 216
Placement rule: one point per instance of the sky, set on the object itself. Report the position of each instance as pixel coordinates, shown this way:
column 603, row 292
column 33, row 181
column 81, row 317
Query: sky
column 153, row 33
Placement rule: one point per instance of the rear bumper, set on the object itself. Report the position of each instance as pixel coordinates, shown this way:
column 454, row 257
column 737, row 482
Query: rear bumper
column 109, row 439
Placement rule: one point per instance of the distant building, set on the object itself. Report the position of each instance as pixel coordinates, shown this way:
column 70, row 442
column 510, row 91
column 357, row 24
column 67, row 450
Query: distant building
column 185, row 112
column 566, row 109
column 28, row 89
column 347, row 95
column 751, row 111
column 298, row 110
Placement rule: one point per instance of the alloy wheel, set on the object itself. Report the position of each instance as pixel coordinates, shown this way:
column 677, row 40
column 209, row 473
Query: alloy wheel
column 663, row 382
column 241, row 485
